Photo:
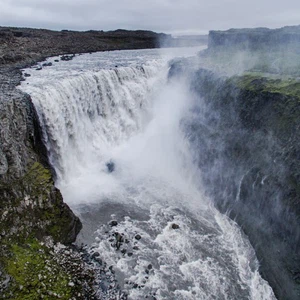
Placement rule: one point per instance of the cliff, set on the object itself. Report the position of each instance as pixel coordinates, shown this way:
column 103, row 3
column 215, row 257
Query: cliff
column 31, row 208
column 245, row 135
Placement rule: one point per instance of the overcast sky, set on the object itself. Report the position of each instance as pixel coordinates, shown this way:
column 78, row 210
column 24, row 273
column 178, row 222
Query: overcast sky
column 171, row 16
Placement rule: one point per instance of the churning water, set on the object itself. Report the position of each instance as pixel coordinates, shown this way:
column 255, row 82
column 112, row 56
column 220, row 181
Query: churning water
column 112, row 122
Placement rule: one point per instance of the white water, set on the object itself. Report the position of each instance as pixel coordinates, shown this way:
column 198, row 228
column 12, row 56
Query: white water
column 93, row 113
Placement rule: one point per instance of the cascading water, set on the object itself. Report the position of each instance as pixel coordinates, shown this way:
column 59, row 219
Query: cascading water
column 115, row 139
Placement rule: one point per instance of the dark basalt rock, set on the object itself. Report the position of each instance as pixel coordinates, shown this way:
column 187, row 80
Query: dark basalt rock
column 113, row 223
column 110, row 166
column 26, row 184
column 138, row 237
column 67, row 57
column 47, row 64
column 175, row 226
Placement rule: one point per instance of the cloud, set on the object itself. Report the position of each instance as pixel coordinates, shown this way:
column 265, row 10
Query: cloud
column 159, row 15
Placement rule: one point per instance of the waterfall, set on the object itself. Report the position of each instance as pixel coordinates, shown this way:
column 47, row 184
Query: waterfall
column 116, row 141
column 95, row 110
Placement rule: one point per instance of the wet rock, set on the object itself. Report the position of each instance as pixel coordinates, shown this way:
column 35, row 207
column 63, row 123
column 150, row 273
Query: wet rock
column 175, row 226
column 119, row 240
column 138, row 237
column 95, row 255
column 110, row 166
column 113, row 223
column 47, row 64
column 67, row 57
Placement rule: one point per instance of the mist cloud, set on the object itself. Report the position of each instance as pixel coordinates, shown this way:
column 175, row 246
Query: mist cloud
column 181, row 16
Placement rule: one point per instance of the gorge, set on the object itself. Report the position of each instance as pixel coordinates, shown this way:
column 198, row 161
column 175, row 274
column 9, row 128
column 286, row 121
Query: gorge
column 157, row 156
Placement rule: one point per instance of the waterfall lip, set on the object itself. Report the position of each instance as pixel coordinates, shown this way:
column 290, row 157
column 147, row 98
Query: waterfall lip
column 106, row 60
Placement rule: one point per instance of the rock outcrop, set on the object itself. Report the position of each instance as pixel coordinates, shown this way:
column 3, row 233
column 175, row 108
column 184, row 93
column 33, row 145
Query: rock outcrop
column 31, row 208
column 30, row 203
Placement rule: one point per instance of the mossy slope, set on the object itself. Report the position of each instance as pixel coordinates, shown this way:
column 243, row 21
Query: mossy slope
column 36, row 275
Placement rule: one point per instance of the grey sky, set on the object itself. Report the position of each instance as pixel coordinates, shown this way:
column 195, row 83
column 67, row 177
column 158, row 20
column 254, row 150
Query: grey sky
column 172, row 16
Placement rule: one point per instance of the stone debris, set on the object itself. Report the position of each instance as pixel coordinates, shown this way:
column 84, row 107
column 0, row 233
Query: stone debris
column 175, row 226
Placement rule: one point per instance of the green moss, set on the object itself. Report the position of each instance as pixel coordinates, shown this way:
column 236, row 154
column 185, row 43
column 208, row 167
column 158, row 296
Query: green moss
column 36, row 207
column 32, row 209
column 40, row 173
column 276, row 85
column 35, row 273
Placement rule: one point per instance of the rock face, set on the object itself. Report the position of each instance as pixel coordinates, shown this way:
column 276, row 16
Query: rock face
column 30, row 203
column 31, row 208
column 245, row 134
